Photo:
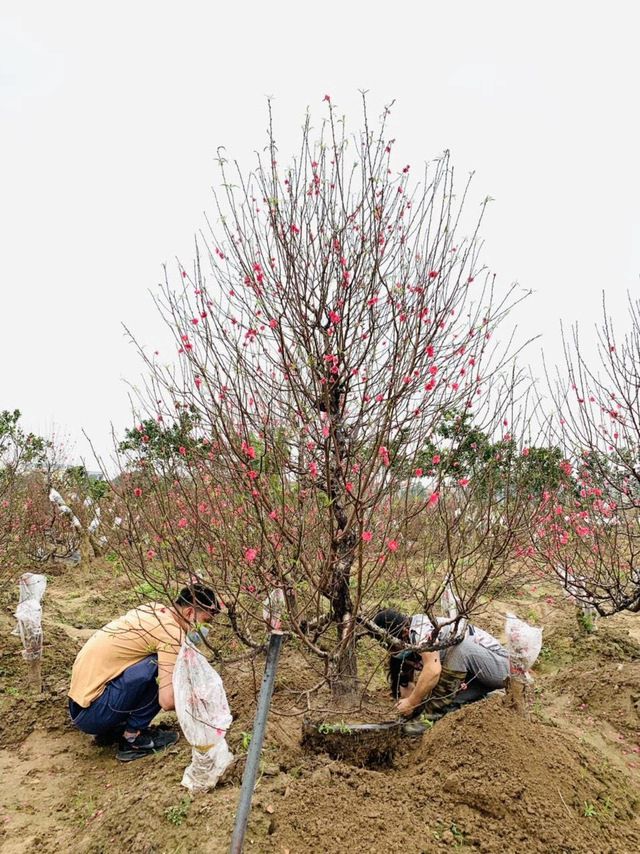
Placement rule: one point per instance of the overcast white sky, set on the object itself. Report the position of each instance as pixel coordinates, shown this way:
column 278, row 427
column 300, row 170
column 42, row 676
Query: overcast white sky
column 111, row 115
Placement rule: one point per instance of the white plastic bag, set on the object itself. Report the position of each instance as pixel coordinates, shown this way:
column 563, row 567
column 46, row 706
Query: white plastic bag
column 55, row 497
column 29, row 617
column 204, row 716
column 31, row 586
column 207, row 766
column 524, row 642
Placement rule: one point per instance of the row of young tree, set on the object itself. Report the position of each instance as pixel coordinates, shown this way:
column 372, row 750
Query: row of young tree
column 38, row 524
column 344, row 422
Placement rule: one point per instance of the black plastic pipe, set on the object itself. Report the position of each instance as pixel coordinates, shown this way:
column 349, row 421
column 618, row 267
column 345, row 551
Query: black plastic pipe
column 255, row 748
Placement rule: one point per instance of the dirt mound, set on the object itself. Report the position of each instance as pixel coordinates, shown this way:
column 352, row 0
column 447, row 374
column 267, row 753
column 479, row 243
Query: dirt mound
column 21, row 711
column 482, row 779
column 610, row 691
column 524, row 777
column 609, row 645
column 565, row 643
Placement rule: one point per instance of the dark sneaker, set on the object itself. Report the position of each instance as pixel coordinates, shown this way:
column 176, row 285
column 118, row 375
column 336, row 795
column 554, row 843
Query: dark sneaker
column 146, row 743
column 414, row 729
column 114, row 736
column 107, row 739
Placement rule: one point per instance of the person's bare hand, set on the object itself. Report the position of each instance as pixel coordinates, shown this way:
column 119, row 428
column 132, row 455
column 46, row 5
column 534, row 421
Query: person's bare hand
column 405, row 706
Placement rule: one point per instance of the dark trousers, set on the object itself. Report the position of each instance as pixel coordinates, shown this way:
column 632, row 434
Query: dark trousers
column 484, row 671
column 130, row 701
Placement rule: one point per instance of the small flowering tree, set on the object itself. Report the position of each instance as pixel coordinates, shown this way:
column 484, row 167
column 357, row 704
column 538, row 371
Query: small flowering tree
column 343, row 316
column 589, row 534
column 20, row 454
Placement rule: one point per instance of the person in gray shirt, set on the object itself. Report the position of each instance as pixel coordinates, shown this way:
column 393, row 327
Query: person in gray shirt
column 436, row 682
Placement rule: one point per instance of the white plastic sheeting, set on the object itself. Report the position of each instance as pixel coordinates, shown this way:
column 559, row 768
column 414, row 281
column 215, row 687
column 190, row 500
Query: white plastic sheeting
column 95, row 522
column 207, row 766
column 58, row 500
column 272, row 608
column 31, row 585
column 204, row 716
column 29, row 617
column 55, row 497
column 448, row 603
column 524, row 643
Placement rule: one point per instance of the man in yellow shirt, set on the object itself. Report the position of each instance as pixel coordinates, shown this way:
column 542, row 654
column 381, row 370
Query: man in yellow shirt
column 123, row 675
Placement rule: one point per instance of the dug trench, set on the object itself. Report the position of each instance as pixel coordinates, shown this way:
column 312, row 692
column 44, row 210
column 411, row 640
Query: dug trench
column 481, row 779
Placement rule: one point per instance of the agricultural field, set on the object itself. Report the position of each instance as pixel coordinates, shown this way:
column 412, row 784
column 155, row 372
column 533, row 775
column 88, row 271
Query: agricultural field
column 481, row 779
column 339, row 449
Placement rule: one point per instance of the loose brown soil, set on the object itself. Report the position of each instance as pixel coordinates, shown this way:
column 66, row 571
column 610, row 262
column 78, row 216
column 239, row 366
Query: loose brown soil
column 481, row 779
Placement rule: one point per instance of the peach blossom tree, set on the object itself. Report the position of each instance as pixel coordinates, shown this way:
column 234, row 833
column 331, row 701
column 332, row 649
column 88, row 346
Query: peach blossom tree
column 336, row 309
column 589, row 534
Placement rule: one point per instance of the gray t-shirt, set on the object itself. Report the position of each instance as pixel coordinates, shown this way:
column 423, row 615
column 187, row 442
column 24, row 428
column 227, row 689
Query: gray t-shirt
column 421, row 627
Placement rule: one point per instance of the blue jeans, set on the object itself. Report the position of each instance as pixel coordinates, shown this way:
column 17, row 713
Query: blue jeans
column 130, row 701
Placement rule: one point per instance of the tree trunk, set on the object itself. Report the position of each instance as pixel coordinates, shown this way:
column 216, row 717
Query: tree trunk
column 344, row 668
column 86, row 552
column 343, row 675
column 34, row 677
column 98, row 550
column 587, row 617
column 520, row 694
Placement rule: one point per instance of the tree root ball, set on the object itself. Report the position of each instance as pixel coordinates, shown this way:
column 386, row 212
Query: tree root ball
column 359, row 744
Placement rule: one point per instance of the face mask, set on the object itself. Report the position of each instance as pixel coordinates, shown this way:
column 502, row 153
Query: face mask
column 197, row 635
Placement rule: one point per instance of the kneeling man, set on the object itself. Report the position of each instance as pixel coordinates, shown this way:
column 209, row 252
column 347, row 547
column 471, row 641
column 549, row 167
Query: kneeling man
column 123, row 675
